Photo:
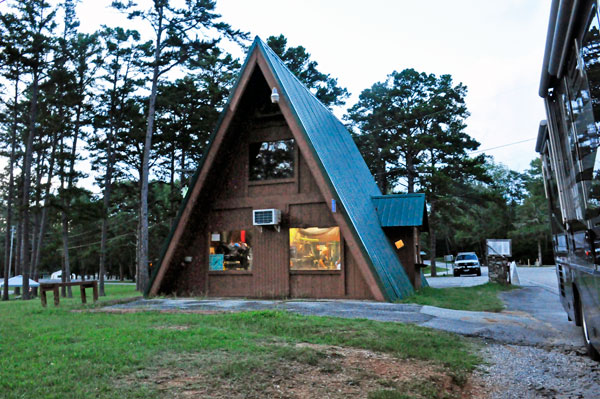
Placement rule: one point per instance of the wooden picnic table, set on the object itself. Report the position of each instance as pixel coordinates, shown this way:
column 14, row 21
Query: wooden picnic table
column 44, row 287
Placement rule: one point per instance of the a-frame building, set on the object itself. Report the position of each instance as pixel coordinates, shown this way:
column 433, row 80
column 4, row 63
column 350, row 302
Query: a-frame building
column 317, row 233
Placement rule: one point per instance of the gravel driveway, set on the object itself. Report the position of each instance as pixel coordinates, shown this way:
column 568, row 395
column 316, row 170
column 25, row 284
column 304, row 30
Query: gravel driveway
column 523, row 372
column 559, row 370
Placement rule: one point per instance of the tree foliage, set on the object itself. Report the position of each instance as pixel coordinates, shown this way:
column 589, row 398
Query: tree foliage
column 297, row 59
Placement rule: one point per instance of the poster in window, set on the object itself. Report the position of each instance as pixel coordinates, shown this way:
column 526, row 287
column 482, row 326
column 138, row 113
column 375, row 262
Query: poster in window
column 216, row 262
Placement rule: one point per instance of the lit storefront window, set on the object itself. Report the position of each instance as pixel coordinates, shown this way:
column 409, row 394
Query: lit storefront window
column 315, row 248
column 230, row 250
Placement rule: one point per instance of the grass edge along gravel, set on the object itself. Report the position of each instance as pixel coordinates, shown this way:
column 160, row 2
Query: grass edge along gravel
column 478, row 298
column 69, row 352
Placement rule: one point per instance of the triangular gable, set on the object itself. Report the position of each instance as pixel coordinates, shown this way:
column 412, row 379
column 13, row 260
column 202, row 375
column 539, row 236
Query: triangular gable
column 401, row 210
column 344, row 177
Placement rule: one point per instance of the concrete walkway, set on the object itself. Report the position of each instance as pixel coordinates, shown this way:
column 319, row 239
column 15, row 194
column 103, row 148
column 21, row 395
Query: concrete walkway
column 515, row 327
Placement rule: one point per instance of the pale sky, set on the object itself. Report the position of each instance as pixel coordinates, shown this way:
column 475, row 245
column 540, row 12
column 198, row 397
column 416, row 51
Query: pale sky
column 494, row 48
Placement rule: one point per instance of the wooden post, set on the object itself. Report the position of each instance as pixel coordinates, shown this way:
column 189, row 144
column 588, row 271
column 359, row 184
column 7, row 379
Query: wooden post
column 56, row 295
column 95, row 289
column 82, row 290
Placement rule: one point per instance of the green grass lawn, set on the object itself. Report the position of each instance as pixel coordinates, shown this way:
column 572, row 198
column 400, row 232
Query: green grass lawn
column 76, row 351
column 477, row 298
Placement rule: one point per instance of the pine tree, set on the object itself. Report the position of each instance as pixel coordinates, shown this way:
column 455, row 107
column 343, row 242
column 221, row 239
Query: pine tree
column 177, row 32
column 37, row 17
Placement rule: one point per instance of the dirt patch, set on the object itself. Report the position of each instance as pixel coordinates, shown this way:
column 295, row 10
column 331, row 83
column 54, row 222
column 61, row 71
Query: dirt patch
column 174, row 328
column 306, row 371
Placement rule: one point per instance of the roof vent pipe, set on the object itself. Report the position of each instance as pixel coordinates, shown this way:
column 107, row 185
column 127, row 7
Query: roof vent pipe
column 545, row 80
column 560, row 35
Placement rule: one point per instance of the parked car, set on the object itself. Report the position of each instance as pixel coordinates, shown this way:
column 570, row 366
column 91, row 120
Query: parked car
column 466, row 263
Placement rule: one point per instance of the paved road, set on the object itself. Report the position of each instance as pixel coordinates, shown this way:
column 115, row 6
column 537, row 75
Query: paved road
column 462, row 281
column 544, row 277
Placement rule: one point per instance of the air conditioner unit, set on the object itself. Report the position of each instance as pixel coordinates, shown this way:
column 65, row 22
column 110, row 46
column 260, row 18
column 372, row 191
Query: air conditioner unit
column 266, row 217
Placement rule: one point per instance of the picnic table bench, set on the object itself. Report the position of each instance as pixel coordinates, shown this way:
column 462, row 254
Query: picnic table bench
column 44, row 287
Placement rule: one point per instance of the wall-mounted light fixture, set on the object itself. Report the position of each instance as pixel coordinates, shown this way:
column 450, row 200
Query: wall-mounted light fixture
column 187, row 259
column 274, row 96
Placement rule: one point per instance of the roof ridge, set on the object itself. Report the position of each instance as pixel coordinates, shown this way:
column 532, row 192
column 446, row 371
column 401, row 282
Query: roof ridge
column 398, row 195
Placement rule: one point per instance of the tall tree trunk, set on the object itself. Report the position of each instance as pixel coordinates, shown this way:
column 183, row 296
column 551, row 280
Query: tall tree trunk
column 143, row 256
column 432, row 237
column 137, row 256
column 44, row 217
column 67, row 196
column 27, row 160
column 37, row 221
column 17, row 251
column 539, row 248
column 9, row 194
column 410, row 174
column 66, row 273
column 105, row 210
column 172, row 185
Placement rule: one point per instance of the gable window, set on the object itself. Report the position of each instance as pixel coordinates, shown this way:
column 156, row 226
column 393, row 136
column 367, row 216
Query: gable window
column 271, row 160
column 315, row 248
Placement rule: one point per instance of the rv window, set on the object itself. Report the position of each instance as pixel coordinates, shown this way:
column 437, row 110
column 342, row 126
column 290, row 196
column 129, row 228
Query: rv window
column 271, row 160
column 584, row 94
column 560, row 243
column 315, row 248
column 550, row 185
column 230, row 250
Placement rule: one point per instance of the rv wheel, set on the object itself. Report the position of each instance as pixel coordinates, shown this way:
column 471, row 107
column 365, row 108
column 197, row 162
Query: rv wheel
column 592, row 352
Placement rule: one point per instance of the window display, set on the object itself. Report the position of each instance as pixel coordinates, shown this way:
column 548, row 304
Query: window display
column 315, row 248
column 230, row 250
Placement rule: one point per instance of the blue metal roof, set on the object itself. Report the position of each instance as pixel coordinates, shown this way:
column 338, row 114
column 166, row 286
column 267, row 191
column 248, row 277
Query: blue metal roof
column 347, row 172
column 401, row 210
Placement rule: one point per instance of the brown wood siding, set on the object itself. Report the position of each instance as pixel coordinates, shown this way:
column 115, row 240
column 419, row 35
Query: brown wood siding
column 355, row 285
column 407, row 254
column 307, row 183
column 271, row 258
column 193, row 279
column 189, row 278
column 263, row 190
column 240, row 285
column 317, row 285
column 310, row 215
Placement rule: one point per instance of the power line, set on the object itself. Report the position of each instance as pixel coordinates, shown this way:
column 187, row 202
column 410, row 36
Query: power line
column 115, row 237
column 502, row 146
